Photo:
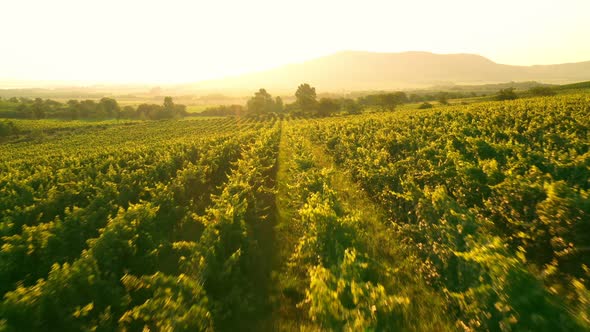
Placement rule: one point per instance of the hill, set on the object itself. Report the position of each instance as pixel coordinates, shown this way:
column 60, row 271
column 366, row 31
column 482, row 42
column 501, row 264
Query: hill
column 356, row 70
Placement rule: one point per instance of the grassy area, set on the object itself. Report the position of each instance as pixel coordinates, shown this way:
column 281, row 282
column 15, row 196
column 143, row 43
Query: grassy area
column 197, row 108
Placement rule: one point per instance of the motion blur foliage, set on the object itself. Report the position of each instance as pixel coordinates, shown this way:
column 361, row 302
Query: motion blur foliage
column 493, row 199
column 443, row 98
column 425, row 105
column 133, row 241
column 460, row 218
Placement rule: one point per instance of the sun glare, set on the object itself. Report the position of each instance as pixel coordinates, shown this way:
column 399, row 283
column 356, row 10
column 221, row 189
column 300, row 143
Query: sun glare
column 188, row 41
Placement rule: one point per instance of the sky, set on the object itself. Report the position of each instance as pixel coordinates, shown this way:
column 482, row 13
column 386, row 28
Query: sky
column 175, row 41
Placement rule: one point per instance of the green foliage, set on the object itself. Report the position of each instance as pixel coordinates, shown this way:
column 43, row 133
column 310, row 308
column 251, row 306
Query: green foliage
column 7, row 128
column 456, row 181
column 515, row 298
column 228, row 246
column 350, row 106
column 279, row 107
column 327, row 106
column 565, row 223
column 443, row 98
column 105, row 108
column 342, row 299
column 109, row 108
column 168, row 110
column 261, row 103
column 328, row 270
column 479, row 219
column 506, row 94
column 306, row 98
column 387, row 101
column 69, row 259
column 425, row 105
column 169, row 304
column 231, row 110
column 541, row 91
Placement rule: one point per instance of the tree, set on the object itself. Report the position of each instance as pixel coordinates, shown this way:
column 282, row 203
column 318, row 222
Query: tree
column 180, row 110
column 168, row 103
column 109, row 106
column 306, row 97
column 385, row 100
column 327, row 106
column 350, row 106
column 391, row 100
column 87, row 108
column 38, row 109
column 261, row 103
column 415, row 98
column 171, row 110
column 279, row 104
column 73, row 109
column 541, row 91
column 506, row 94
column 400, row 97
column 147, row 111
column 24, row 111
column 443, row 98
column 128, row 112
column 223, row 110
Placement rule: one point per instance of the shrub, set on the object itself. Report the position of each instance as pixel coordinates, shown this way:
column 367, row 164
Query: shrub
column 425, row 106
column 506, row 94
column 7, row 128
column 541, row 91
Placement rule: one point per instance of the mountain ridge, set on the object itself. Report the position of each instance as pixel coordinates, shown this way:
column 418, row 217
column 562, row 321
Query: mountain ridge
column 362, row 70
column 352, row 70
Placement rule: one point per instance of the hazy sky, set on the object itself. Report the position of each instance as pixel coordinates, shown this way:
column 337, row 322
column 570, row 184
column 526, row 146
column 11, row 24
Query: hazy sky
column 180, row 41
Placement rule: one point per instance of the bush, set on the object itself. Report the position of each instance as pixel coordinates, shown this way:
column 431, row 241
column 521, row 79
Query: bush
column 506, row 94
column 7, row 128
column 425, row 106
column 443, row 98
column 541, row 91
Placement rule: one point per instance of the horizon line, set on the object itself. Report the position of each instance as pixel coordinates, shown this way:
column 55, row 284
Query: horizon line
column 87, row 83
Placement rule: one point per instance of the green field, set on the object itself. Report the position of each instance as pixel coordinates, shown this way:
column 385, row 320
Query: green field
column 465, row 217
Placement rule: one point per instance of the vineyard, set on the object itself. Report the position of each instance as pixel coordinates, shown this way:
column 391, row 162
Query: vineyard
column 468, row 218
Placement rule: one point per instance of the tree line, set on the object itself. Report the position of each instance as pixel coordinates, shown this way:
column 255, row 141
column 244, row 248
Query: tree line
column 306, row 103
column 105, row 108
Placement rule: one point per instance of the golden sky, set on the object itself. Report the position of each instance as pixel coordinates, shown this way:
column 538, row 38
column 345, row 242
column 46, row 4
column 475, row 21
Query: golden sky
column 124, row 41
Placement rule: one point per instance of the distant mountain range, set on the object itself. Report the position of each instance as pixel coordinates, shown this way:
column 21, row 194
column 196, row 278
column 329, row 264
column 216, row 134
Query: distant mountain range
column 357, row 71
column 345, row 71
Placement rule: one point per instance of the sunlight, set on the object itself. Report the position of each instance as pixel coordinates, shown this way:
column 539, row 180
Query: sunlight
column 189, row 41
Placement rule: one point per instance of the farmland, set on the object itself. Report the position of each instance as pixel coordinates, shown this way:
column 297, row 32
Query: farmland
column 465, row 217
